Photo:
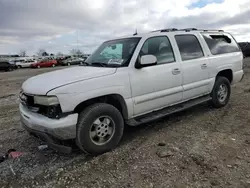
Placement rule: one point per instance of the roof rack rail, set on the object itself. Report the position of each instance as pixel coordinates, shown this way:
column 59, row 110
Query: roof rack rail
column 220, row 30
column 195, row 29
column 187, row 30
column 166, row 30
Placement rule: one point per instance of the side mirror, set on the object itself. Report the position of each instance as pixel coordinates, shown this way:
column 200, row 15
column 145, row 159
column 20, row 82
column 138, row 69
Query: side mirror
column 147, row 60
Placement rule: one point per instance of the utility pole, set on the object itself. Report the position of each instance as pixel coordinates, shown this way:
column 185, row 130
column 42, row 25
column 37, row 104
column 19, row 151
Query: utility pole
column 77, row 39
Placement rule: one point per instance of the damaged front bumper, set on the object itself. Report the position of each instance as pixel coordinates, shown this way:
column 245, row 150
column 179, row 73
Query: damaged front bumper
column 50, row 130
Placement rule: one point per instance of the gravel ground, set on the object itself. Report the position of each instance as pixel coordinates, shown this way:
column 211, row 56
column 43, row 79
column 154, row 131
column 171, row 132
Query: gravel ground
column 200, row 147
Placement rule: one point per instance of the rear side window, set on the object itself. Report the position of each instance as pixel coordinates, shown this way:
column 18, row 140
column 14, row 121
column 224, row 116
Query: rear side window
column 221, row 44
column 189, row 47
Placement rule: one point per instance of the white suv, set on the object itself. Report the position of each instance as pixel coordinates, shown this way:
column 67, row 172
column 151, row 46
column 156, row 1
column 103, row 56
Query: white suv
column 130, row 80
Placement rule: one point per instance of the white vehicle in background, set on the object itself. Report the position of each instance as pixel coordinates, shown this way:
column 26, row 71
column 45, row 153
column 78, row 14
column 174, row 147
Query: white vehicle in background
column 134, row 80
column 25, row 63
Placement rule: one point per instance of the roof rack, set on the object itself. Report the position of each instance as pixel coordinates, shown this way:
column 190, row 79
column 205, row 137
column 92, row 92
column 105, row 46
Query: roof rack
column 195, row 29
column 187, row 30
column 166, row 30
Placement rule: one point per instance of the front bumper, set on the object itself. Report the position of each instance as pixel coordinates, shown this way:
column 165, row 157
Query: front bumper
column 62, row 129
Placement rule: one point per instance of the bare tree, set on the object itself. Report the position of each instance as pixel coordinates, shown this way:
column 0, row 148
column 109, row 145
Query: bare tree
column 76, row 52
column 42, row 52
column 59, row 54
column 22, row 53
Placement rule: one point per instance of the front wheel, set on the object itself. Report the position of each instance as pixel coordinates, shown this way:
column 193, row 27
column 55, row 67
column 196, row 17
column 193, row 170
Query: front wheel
column 99, row 128
column 221, row 92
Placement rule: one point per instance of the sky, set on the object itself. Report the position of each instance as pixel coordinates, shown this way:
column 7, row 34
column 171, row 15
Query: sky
column 61, row 25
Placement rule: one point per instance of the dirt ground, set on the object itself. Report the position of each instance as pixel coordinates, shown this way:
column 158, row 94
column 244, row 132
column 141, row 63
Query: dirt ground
column 200, row 147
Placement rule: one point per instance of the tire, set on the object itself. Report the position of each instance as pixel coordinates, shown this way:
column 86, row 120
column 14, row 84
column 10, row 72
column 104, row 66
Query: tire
column 53, row 65
column 85, row 126
column 217, row 100
column 38, row 67
column 19, row 67
column 69, row 64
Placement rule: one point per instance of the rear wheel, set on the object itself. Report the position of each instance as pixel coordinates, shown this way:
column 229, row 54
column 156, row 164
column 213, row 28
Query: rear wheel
column 38, row 67
column 53, row 65
column 69, row 64
column 99, row 128
column 221, row 92
column 19, row 66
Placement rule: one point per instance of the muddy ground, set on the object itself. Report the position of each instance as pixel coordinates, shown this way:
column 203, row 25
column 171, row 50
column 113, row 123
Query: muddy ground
column 200, row 147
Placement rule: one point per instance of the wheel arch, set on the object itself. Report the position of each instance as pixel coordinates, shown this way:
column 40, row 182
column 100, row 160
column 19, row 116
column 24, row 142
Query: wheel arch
column 227, row 73
column 114, row 99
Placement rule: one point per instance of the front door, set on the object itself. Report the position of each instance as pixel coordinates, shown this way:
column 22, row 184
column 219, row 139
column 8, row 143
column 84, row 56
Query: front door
column 156, row 86
column 195, row 66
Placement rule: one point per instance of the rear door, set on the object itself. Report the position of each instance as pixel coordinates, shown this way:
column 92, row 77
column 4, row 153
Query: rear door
column 195, row 66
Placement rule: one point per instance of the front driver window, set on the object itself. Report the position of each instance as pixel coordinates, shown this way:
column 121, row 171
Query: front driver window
column 160, row 47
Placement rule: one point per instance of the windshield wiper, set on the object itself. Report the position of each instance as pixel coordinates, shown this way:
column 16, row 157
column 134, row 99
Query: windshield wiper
column 99, row 63
column 84, row 64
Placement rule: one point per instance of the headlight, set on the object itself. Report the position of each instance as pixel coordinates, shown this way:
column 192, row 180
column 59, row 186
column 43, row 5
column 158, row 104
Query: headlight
column 46, row 100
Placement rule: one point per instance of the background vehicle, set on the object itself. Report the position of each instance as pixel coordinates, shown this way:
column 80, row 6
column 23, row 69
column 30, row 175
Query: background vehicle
column 7, row 66
column 73, row 61
column 245, row 47
column 134, row 80
column 44, row 63
column 26, row 63
column 61, row 59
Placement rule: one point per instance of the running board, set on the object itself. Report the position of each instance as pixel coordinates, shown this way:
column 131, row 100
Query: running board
column 152, row 116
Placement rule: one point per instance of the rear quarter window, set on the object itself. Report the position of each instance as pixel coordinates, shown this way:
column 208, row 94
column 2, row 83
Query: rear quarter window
column 221, row 43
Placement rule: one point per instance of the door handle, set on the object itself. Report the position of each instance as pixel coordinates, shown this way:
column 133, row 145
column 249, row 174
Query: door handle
column 176, row 71
column 203, row 66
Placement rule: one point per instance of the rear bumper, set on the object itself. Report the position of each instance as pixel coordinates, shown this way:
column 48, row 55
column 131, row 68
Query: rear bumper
column 62, row 129
column 238, row 76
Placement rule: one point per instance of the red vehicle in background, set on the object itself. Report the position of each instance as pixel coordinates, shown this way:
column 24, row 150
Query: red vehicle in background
column 44, row 63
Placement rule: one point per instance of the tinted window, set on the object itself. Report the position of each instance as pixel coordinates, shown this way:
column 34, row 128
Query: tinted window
column 189, row 47
column 220, row 44
column 159, row 47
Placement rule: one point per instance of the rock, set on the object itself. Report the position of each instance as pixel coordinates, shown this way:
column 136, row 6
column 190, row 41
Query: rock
column 247, row 141
column 59, row 170
column 151, row 185
column 198, row 159
column 175, row 149
column 161, row 144
column 229, row 166
column 135, row 167
column 163, row 154
column 214, row 182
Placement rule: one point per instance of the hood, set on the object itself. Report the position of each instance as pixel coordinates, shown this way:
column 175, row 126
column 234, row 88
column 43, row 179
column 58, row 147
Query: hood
column 43, row 83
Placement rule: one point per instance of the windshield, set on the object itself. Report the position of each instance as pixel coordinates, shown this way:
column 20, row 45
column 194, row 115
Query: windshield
column 115, row 53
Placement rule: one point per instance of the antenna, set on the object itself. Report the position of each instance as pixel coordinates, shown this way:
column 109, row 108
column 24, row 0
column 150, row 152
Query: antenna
column 135, row 32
